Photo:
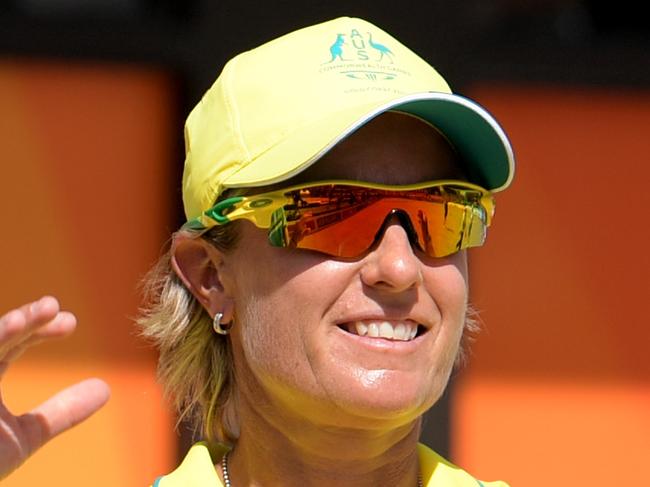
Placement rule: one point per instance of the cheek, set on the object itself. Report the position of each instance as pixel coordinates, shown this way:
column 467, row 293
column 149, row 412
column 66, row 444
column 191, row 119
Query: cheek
column 267, row 323
column 266, row 346
column 280, row 301
column 448, row 287
column 447, row 280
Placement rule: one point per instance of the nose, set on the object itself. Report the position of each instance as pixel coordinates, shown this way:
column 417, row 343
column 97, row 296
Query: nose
column 392, row 265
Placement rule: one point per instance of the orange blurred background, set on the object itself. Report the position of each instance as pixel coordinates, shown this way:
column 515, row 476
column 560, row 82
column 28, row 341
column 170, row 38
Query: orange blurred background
column 86, row 155
column 558, row 388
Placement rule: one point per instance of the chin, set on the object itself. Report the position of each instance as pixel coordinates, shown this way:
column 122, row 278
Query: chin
column 391, row 399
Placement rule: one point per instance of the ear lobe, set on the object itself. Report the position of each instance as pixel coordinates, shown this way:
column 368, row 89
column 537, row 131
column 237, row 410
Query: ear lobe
column 197, row 264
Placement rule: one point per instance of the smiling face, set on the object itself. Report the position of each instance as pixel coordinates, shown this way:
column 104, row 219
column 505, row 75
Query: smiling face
column 303, row 340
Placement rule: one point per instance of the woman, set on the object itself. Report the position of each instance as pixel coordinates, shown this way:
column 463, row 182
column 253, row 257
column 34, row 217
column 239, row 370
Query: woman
column 313, row 306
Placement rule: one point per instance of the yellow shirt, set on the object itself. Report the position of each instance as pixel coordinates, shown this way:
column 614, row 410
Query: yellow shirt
column 197, row 470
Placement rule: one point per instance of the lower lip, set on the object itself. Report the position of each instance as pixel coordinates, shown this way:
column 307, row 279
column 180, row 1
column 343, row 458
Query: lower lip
column 385, row 345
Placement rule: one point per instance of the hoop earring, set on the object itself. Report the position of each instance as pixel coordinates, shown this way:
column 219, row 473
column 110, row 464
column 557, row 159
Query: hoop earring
column 217, row 326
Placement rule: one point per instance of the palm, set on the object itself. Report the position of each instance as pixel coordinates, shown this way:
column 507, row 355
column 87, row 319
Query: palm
column 14, row 441
column 21, row 435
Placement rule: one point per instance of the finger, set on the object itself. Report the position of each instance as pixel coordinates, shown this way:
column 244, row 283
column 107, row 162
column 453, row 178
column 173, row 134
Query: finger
column 28, row 317
column 40, row 319
column 61, row 326
column 41, row 311
column 12, row 324
column 12, row 331
column 63, row 411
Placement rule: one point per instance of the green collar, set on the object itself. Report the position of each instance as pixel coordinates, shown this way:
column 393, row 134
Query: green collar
column 197, row 470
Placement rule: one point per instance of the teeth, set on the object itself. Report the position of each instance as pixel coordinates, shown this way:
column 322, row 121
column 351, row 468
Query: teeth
column 413, row 332
column 362, row 328
column 402, row 331
column 386, row 330
column 373, row 330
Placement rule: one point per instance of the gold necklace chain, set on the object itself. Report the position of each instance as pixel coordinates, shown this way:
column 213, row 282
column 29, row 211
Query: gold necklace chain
column 226, row 475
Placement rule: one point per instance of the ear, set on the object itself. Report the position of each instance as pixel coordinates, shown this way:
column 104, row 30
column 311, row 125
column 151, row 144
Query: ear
column 199, row 264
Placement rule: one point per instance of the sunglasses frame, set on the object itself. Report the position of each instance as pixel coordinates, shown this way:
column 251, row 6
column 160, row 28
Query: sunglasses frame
column 259, row 208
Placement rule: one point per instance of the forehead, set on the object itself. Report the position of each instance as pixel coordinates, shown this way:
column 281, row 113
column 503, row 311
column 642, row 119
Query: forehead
column 393, row 148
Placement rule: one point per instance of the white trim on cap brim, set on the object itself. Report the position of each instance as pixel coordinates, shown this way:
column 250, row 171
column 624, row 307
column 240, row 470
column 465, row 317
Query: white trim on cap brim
column 393, row 104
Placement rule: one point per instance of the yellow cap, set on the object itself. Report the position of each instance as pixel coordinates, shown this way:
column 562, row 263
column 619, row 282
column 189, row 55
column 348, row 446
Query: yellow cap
column 277, row 109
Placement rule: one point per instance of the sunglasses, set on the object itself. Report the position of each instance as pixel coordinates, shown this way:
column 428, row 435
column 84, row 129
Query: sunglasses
column 346, row 218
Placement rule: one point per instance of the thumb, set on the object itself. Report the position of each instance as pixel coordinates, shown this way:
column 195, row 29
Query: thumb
column 64, row 410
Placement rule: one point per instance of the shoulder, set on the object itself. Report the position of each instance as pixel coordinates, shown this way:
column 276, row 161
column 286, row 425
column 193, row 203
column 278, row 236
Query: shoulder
column 436, row 471
column 197, row 468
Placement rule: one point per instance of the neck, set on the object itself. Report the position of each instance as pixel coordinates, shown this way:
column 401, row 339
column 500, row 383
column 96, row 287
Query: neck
column 303, row 453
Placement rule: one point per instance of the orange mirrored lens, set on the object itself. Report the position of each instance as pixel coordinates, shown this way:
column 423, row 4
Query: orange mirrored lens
column 348, row 222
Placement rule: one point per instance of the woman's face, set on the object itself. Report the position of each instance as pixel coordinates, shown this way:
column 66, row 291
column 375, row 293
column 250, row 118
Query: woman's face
column 295, row 342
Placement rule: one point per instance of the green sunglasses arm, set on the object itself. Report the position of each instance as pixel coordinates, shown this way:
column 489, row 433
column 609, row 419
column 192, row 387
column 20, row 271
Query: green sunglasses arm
column 208, row 218
column 218, row 210
column 257, row 209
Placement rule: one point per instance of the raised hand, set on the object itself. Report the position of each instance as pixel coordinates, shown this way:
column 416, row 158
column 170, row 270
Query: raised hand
column 21, row 435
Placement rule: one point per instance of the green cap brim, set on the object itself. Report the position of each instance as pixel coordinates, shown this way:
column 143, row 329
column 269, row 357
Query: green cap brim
column 475, row 134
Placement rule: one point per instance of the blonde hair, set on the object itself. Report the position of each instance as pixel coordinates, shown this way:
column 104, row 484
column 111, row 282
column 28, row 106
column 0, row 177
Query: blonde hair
column 195, row 364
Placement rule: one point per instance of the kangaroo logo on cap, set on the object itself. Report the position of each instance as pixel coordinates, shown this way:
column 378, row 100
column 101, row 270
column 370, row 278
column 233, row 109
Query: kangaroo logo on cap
column 358, row 55
column 336, row 49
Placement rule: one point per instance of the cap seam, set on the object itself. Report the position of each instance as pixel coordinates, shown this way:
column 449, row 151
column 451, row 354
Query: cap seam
column 235, row 119
column 216, row 185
